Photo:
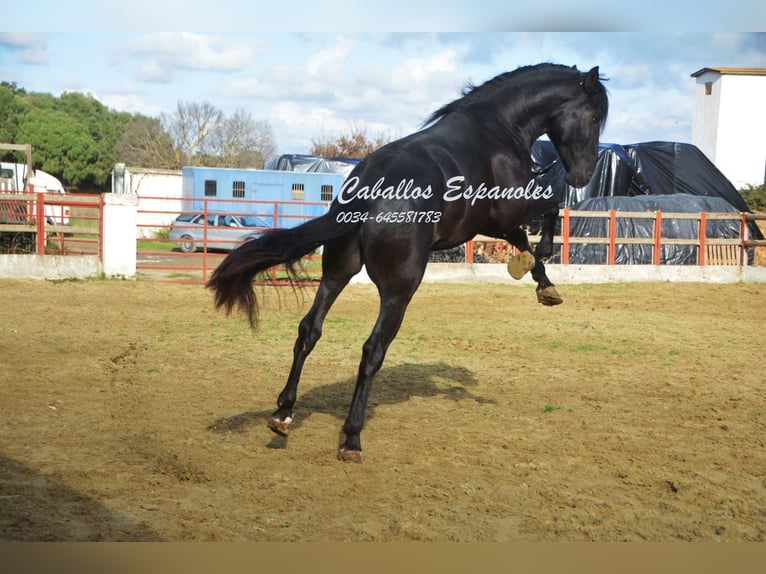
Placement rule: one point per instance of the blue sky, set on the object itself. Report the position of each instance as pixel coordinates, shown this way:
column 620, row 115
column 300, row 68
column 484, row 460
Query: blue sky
column 313, row 82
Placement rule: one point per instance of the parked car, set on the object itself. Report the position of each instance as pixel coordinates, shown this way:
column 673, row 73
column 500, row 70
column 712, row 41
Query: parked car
column 220, row 231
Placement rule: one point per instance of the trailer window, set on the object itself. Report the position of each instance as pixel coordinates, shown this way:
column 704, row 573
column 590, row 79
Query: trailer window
column 211, row 188
column 298, row 193
column 326, row 193
column 238, row 189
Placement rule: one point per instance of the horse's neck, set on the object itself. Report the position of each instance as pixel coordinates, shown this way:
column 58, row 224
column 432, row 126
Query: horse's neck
column 528, row 122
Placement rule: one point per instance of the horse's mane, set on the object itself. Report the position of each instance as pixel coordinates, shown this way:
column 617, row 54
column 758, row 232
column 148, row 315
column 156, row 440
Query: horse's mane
column 472, row 93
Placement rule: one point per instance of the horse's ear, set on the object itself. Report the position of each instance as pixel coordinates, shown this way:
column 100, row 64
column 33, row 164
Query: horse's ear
column 591, row 79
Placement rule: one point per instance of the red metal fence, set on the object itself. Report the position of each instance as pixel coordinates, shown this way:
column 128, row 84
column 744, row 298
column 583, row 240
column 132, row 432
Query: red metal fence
column 159, row 258
column 71, row 225
column 162, row 259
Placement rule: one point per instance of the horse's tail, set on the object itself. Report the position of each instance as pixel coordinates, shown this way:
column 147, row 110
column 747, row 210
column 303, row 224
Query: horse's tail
column 232, row 279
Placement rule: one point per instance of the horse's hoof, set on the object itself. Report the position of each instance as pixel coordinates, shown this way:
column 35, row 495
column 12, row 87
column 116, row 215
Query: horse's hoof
column 349, row 455
column 282, row 428
column 549, row 296
column 520, row 264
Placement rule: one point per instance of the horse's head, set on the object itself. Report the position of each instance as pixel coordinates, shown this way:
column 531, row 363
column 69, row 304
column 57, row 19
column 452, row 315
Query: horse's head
column 575, row 126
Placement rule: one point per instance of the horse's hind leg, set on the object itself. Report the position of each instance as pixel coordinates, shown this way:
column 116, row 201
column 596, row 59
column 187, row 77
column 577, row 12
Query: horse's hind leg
column 340, row 262
column 396, row 289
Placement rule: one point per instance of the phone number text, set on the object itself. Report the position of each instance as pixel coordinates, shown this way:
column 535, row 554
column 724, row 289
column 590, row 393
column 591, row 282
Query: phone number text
column 389, row 217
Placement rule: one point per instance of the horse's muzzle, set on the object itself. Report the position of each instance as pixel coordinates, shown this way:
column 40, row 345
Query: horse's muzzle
column 578, row 177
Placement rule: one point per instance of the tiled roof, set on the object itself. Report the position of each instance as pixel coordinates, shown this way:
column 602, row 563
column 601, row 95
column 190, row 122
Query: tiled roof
column 732, row 71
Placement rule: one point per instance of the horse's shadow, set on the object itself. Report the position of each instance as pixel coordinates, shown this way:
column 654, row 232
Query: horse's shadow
column 392, row 385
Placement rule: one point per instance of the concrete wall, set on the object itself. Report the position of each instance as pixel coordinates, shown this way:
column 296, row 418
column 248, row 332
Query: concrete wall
column 575, row 274
column 49, row 266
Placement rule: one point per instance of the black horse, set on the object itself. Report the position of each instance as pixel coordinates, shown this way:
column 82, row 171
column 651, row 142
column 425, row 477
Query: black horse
column 468, row 172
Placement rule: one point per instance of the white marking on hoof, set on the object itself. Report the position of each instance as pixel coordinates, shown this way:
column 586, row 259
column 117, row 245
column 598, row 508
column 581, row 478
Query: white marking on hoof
column 349, row 455
column 280, row 427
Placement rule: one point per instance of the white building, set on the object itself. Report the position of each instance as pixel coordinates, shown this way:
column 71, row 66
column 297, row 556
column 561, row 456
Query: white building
column 159, row 194
column 729, row 122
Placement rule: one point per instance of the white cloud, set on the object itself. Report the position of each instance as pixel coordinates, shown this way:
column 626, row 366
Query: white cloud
column 131, row 103
column 161, row 54
column 28, row 48
column 330, row 62
column 635, row 117
column 319, row 78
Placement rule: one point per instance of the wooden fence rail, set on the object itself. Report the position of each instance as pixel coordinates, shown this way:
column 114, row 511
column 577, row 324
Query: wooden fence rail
column 710, row 251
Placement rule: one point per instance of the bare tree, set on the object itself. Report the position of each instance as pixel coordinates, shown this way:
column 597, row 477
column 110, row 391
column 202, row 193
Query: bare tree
column 204, row 136
column 241, row 141
column 191, row 127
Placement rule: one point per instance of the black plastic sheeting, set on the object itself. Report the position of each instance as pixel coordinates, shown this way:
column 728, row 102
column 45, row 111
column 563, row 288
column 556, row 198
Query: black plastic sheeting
column 650, row 176
column 644, row 228
column 651, row 168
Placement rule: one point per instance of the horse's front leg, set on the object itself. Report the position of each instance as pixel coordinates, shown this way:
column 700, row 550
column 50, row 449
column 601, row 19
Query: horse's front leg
column 546, row 291
column 526, row 260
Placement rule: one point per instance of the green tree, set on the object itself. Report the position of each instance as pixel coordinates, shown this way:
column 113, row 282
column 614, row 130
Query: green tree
column 755, row 197
column 61, row 146
column 12, row 108
column 72, row 137
column 103, row 127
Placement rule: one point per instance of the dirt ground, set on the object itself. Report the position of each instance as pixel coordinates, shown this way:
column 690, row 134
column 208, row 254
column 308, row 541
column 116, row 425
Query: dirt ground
column 132, row 410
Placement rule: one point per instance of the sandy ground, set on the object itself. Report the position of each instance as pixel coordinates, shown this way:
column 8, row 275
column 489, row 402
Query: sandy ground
column 135, row 411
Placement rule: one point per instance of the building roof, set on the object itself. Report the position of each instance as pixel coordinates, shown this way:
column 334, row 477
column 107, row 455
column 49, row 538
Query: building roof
column 732, row 71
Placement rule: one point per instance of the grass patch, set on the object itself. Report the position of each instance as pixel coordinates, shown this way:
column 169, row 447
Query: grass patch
column 155, row 245
column 587, row 348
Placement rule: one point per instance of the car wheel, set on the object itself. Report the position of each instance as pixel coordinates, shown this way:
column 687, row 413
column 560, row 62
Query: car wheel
column 187, row 244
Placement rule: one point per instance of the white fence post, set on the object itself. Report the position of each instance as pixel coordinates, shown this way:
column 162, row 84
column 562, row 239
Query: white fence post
column 119, row 234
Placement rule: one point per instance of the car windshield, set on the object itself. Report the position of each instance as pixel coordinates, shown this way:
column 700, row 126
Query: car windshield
column 252, row 221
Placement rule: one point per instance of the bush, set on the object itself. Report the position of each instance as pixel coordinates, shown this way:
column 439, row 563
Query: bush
column 755, row 197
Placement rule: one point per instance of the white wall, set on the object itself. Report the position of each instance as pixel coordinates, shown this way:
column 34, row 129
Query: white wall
column 119, row 234
column 705, row 118
column 741, row 145
column 729, row 125
column 159, row 194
